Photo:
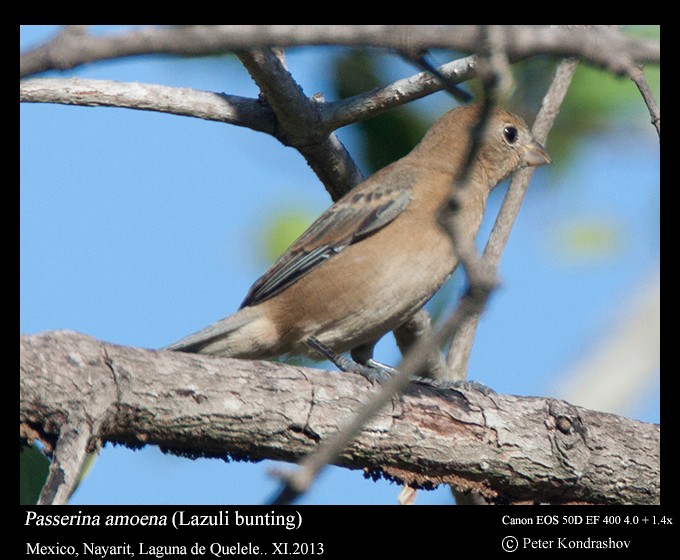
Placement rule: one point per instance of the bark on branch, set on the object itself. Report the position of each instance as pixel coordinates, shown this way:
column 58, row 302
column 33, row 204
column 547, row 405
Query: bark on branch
column 508, row 448
column 601, row 46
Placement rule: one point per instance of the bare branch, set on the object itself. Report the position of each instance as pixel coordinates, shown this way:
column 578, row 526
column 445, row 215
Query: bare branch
column 602, row 47
column 70, row 452
column 283, row 94
column 420, row 326
column 637, row 74
column 369, row 104
column 510, row 449
column 237, row 110
column 221, row 107
column 460, row 349
column 420, row 60
column 298, row 122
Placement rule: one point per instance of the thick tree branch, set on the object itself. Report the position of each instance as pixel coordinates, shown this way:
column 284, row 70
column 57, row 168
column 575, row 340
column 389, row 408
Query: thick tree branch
column 603, row 47
column 510, row 449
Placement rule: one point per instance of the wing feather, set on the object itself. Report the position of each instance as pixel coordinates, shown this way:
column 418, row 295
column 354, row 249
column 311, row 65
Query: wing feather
column 354, row 217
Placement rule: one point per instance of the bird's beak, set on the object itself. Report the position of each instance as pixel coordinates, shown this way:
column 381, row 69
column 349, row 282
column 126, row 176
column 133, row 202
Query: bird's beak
column 534, row 155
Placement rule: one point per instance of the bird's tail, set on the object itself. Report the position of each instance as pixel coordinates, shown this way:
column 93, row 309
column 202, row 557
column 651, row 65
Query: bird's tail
column 245, row 334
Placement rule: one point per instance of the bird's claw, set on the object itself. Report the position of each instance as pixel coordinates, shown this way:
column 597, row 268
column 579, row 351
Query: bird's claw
column 374, row 371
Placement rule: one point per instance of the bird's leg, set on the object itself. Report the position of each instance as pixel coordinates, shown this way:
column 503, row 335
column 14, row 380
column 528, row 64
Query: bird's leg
column 364, row 355
column 363, row 364
column 372, row 370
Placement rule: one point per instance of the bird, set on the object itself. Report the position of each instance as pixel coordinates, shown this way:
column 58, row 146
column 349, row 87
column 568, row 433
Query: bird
column 378, row 254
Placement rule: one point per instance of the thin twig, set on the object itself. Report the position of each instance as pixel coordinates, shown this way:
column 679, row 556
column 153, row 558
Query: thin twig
column 419, row 326
column 461, row 346
column 491, row 68
column 371, row 103
column 70, row 452
column 420, row 59
column 637, row 74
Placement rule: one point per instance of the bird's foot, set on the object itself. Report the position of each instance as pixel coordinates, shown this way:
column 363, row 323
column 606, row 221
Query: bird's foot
column 371, row 370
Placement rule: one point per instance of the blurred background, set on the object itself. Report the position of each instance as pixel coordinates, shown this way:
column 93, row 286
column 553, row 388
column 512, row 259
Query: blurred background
column 138, row 228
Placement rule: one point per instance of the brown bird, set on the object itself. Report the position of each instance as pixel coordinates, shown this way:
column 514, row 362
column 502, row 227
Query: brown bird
column 377, row 255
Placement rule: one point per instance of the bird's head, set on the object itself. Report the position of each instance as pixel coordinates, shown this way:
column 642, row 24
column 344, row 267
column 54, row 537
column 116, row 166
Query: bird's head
column 506, row 144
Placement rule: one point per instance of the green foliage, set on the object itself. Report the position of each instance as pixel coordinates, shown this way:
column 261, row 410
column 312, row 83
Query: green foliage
column 584, row 239
column 596, row 99
column 283, row 227
column 33, row 468
column 33, row 471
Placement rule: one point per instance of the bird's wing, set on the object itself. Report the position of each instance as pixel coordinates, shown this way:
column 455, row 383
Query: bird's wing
column 354, row 217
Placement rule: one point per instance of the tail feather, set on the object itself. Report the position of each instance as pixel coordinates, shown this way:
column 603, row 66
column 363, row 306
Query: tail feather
column 226, row 337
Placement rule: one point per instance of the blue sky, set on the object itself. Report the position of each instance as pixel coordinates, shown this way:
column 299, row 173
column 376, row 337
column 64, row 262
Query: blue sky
column 138, row 228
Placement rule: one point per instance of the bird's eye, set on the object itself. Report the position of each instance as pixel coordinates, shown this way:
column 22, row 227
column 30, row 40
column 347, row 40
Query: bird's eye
column 510, row 133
